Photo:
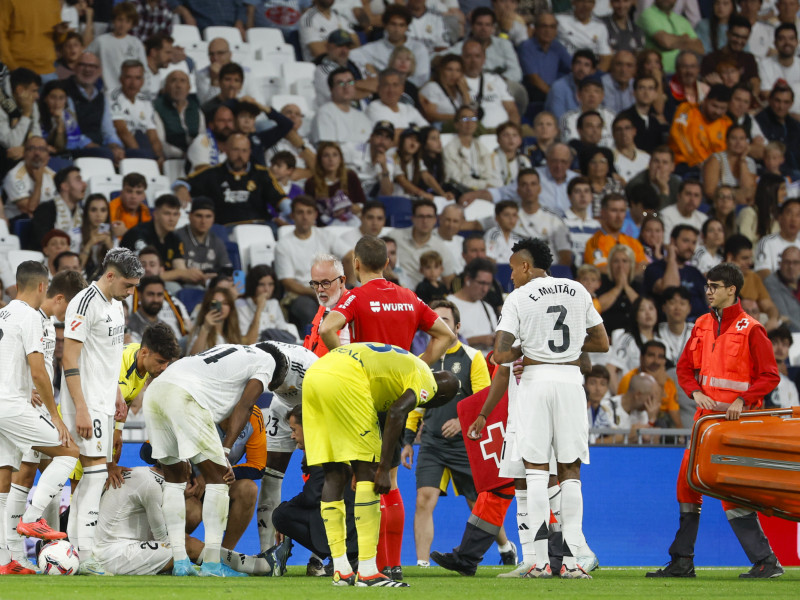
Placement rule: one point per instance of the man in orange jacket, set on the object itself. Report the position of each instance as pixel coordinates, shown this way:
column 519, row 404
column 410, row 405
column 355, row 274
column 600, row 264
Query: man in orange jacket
column 698, row 131
column 727, row 365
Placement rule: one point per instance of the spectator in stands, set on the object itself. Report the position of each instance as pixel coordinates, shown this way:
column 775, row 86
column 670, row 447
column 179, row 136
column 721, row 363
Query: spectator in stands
column 155, row 17
column 507, row 158
column 786, row 394
column 231, row 83
column 446, row 92
column 173, row 312
column 467, row 162
column 782, row 286
column 578, row 219
column 488, row 91
column 331, row 176
column 375, row 169
column 738, row 33
column 590, row 99
column 472, row 248
column 676, row 270
column 732, row 167
column 203, row 249
column 294, row 143
column 761, row 33
column 412, row 242
column 241, row 191
column 30, row 182
column 739, row 251
column 511, row 24
column 54, row 243
column 374, row 56
column 28, row 31
column 281, row 167
column 554, row 177
column 637, row 409
column 697, row 132
column 779, row 126
column 217, row 322
column 451, row 221
column 388, row 106
column 67, row 261
column 674, row 332
column 317, row 23
column 562, row 96
column 501, row 237
column 178, row 117
column 204, row 14
column 685, row 210
column 428, row 27
column 623, row 33
column 626, row 343
column 739, row 113
column 709, row 254
column 600, row 412
column 208, row 148
column 64, row 211
column 618, row 82
column 546, row 133
column 431, row 287
column 580, row 30
column 258, row 310
column 129, row 209
column 478, row 320
column 713, row 30
column 543, row 58
column 651, row 236
column 597, row 165
column 783, row 65
column 60, row 125
column 158, row 49
column 150, row 291
column 338, row 120
column 668, row 32
column 117, row 47
column 761, row 219
column 723, row 207
column 653, row 362
column 208, row 78
column 373, row 220
column 15, row 127
column 69, row 53
column 95, row 236
column 684, row 85
column 651, row 127
column 404, row 62
column 618, row 289
column 770, row 247
column 411, row 176
column 247, row 110
column 133, row 117
column 657, row 186
column 535, row 221
column 337, row 56
column 293, row 256
column 612, row 216
column 629, row 160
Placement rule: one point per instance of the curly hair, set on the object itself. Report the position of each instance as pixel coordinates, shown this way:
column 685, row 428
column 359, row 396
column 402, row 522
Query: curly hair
column 538, row 250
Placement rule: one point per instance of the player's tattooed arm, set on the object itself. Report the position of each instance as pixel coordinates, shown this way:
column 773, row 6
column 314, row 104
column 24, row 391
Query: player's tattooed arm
column 596, row 339
column 504, row 352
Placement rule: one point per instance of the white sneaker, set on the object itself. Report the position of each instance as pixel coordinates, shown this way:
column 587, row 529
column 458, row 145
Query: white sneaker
column 517, row 573
column 588, row 562
column 26, row 562
column 423, row 563
column 92, row 566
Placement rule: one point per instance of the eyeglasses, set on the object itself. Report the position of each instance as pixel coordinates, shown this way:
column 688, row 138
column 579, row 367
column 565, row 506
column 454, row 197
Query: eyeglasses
column 349, row 83
column 468, row 119
column 713, row 287
column 324, row 284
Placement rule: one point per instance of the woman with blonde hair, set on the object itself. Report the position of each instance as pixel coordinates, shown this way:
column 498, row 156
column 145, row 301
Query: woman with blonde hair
column 217, row 321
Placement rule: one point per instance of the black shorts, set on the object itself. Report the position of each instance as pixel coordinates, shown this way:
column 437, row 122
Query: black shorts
column 437, row 465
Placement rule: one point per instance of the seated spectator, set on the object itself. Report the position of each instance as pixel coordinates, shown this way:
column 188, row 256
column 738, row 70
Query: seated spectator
column 317, row 23
column 217, row 322
column 338, row 121
column 578, row 220
column 60, row 126
column 231, row 85
column 651, row 236
column 507, row 159
column 600, row 412
column 629, row 160
column 293, row 256
column 209, row 78
column 543, row 58
column 674, row 332
column 618, row 82
column 627, row 343
column 155, row 17
column 723, row 207
column 733, row 52
column 739, row 112
column 774, row 158
column 203, row 250
column 388, row 106
column 783, row 66
column 118, row 46
column 761, row 219
column 597, row 165
column 404, row 62
column 684, row 85
column 488, row 91
column 699, row 132
column 637, row 409
column 179, row 119
column 623, row 33
column 373, row 220
column 782, row 286
column 668, row 32
column 129, row 209
column 16, row 126
column 173, row 312
column 95, row 235
column 337, row 56
column 713, row 29
column 69, row 53
column 653, row 362
column 431, row 287
column 451, row 221
column 67, row 261
column 258, row 311
column 151, row 292
column 651, row 127
column 241, row 191
column 771, row 246
column 375, row 169
column 64, row 210
column 92, row 109
column 589, row 277
column 501, row 237
column 133, row 117
column 282, row 167
column 739, row 251
column 446, row 92
column 411, row 176
column 431, row 152
column 30, row 182
column 685, row 210
column 612, row 216
column 546, row 133
column 657, row 186
column 676, row 270
column 786, row 394
column 246, row 111
column 618, row 289
column 709, row 253
column 732, row 167
column 158, row 49
column 419, row 238
column 331, row 175
column 54, row 243
column 563, row 94
column 779, row 126
column 294, row 143
column 478, row 320
column 467, row 163
column 510, row 23
column 579, row 29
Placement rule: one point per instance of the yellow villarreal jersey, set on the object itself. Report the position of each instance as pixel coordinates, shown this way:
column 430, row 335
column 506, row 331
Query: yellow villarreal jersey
column 130, row 382
column 390, row 371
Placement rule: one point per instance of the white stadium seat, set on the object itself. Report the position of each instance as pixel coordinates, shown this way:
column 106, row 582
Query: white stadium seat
column 269, row 36
column 198, row 52
column 256, row 244
column 145, row 166
column 16, row 257
column 106, row 185
column 94, row 167
column 231, row 34
column 298, row 78
column 157, row 185
column 263, row 81
column 185, row 34
column 276, row 53
column 174, row 168
column 281, row 100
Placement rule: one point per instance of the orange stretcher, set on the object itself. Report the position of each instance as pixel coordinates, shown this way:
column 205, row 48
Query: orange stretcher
column 753, row 462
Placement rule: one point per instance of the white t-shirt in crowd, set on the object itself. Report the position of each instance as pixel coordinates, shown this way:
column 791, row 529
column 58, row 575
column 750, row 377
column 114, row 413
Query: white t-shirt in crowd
column 770, row 70
column 495, row 92
column 576, row 35
column 18, row 185
column 315, row 27
column 112, row 52
column 270, row 318
column 477, row 318
column 293, row 256
column 406, row 115
column 627, row 168
column 769, row 250
column 138, row 115
column 546, row 225
column 351, row 129
column 671, row 217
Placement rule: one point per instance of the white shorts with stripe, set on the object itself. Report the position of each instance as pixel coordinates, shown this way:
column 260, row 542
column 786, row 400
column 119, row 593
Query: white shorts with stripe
column 18, row 434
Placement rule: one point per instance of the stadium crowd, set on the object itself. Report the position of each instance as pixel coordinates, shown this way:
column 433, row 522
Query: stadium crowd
column 241, row 148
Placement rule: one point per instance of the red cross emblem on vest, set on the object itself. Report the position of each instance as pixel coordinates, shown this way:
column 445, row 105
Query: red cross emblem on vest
column 742, row 324
column 492, row 446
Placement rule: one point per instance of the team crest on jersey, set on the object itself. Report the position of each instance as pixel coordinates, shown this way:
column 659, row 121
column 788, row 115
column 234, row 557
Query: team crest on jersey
column 99, row 446
column 456, row 368
column 375, row 306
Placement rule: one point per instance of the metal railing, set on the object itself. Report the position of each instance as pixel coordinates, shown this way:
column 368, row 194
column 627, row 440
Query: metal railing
column 672, row 437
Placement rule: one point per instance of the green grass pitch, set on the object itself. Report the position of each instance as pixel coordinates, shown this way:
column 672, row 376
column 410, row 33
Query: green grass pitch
column 434, row 583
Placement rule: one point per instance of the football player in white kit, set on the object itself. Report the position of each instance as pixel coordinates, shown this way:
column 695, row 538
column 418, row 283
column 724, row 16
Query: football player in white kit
column 181, row 410
column 94, row 335
column 22, row 427
column 62, row 289
column 554, row 320
column 280, row 444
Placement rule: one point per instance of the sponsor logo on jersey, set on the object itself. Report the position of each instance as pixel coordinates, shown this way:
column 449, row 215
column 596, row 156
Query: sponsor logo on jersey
column 391, row 306
column 423, row 394
column 375, row 306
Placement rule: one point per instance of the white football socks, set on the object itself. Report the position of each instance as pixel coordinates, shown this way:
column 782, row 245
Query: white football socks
column 572, row 518
column 85, row 505
column 524, row 528
column 538, row 513
column 215, row 519
column 173, row 505
column 5, row 555
column 15, row 507
column 245, row 563
column 51, row 482
column 269, row 497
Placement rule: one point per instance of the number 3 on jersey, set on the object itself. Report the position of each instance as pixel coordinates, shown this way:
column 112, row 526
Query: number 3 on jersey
column 559, row 326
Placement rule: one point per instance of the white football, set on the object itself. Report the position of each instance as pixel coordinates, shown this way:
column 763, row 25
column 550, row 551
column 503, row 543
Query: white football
column 59, row 558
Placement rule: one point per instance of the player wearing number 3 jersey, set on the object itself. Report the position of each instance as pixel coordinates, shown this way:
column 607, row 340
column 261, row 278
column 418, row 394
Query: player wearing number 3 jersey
column 551, row 318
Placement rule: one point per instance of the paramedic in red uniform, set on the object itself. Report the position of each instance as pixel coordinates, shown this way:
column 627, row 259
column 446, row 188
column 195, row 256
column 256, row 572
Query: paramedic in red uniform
column 327, row 279
column 728, row 365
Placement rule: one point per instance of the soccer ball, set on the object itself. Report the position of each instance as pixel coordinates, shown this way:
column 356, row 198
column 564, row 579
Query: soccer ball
column 59, row 558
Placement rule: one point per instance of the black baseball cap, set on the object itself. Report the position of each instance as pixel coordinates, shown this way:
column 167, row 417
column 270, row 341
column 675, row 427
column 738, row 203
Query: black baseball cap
column 384, row 127
column 202, row 203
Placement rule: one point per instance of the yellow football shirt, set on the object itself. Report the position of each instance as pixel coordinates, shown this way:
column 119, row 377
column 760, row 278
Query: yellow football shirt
column 130, row 382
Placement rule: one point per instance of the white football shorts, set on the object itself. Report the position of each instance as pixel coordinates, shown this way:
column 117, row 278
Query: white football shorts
column 19, row 433
column 100, row 443
column 279, row 435
column 128, row 557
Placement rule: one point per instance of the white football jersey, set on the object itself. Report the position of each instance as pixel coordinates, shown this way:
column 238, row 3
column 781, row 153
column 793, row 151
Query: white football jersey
column 291, row 390
column 132, row 512
column 99, row 323
column 20, row 335
column 549, row 316
column 217, row 377
column 48, row 344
